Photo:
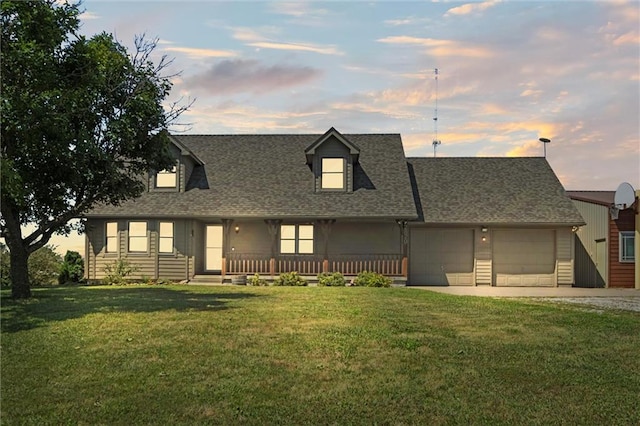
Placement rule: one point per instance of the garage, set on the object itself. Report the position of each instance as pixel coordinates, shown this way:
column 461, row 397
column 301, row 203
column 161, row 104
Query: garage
column 441, row 257
column 524, row 257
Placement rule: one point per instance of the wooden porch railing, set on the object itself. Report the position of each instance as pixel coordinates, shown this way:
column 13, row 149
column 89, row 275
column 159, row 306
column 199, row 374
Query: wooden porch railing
column 249, row 264
column 385, row 264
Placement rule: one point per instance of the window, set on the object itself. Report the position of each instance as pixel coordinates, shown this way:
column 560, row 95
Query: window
column 112, row 237
column 627, row 249
column 138, row 236
column 165, row 244
column 296, row 239
column 333, row 173
column 167, row 178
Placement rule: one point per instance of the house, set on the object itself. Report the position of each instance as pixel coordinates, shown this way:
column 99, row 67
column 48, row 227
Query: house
column 268, row 204
column 605, row 246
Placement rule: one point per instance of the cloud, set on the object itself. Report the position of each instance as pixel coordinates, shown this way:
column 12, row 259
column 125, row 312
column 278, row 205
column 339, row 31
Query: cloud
column 196, row 53
column 88, row 16
column 296, row 46
column 469, row 8
column 437, row 47
column 254, row 38
column 411, row 20
column 297, row 9
column 240, row 75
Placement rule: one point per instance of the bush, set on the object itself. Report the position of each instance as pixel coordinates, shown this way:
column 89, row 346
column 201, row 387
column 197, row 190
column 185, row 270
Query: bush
column 44, row 266
column 290, row 279
column 256, row 281
column 72, row 268
column 335, row 279
column 118, row 271
column 5, row 266
column 371, row 279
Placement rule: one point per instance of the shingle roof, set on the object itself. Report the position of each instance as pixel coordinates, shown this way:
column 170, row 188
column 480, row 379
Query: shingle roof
column 490, row 191
column 266, row 176
column 605, row 198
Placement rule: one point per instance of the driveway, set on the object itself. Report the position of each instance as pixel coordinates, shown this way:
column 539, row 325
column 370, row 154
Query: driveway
column 611, row 298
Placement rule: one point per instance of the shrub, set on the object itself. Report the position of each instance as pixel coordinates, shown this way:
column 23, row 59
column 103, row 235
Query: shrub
column 256, row 281
column 371, row 279
column 44, row 266
column 290, row 279
column 118, row 271
column 72, row 268
column 335, row 279
column 5, row 266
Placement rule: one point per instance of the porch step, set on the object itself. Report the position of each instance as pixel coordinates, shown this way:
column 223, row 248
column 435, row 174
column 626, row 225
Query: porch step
column 207, row 280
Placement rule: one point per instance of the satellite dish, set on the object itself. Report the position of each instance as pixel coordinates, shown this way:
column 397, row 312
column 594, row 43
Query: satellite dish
column 625, row 196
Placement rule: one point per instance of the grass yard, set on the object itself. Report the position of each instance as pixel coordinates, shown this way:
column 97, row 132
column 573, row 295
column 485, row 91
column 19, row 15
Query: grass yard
column 319, row 355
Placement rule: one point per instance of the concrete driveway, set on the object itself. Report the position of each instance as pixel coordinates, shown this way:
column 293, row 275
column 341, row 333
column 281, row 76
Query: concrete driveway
column 609, row 298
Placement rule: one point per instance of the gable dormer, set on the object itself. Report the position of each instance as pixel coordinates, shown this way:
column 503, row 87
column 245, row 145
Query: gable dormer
column 332, row 158
column 176, row 178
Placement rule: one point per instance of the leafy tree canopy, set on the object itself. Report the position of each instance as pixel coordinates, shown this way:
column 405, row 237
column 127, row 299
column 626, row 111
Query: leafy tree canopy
column 82, row 123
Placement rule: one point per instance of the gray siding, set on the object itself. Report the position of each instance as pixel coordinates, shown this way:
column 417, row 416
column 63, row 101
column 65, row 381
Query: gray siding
column 360, row 238
column 332, row 148
column 591, row 242
column 565, row 256
column 152, row 265
column 252, row 238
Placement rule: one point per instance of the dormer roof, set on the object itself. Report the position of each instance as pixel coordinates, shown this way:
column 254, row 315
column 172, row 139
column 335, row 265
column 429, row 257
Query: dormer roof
column 354, row 151
column 184, row 150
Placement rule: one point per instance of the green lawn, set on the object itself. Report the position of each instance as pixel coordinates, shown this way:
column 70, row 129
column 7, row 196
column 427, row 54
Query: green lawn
column 319, row 355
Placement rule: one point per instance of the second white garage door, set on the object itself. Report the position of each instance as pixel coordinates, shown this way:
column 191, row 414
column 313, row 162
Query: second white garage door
column 524, row 257
column 441, row 257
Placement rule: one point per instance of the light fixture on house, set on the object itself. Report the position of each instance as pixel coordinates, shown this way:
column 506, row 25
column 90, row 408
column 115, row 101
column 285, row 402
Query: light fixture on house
column 484, row 229
column 575, row 228
column 237, row 229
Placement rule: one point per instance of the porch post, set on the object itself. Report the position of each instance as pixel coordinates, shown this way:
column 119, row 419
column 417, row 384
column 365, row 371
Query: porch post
column 272, row 226
column 403, row 247
column 325, row 229
column 226, row 228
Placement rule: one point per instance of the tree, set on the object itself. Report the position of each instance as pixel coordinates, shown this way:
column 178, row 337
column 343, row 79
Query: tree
column 72, row 268
column 82, row 123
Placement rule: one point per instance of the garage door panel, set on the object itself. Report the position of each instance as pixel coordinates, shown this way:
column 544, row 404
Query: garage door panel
column 442, row 257
column 524, row 257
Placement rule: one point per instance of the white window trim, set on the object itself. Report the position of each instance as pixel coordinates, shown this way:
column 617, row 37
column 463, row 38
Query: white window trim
column 297, row 239
column 169, row 172
column 146, row 238
column 162, row 238
column 113, row 238
column 332, row 174
column 623, row 235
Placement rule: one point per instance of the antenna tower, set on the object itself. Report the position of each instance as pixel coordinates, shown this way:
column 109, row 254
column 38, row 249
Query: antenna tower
column 436, row 141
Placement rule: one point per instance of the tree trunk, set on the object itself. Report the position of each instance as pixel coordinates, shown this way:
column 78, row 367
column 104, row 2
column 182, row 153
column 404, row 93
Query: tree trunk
column 20, row 288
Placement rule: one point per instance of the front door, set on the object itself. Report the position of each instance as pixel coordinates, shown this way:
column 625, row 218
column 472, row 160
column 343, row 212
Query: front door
column 213, row 248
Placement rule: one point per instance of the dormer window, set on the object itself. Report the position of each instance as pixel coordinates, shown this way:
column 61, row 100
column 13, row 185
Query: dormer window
column 167, row 178
column 332, row 159
column 333, row 173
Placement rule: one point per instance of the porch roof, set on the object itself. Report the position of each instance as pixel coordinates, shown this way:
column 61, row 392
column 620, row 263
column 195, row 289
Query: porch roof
column 267, row 176
column 490, row 191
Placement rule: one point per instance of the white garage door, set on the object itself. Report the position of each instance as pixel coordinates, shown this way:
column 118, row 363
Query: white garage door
column 441, row 257
column 524, row 257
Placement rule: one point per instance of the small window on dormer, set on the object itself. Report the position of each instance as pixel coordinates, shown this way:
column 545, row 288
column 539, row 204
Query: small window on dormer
column 333, row 173
column 167, row 178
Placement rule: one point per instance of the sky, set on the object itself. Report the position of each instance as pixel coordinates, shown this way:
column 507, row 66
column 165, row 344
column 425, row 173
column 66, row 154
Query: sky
column 509, row 73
